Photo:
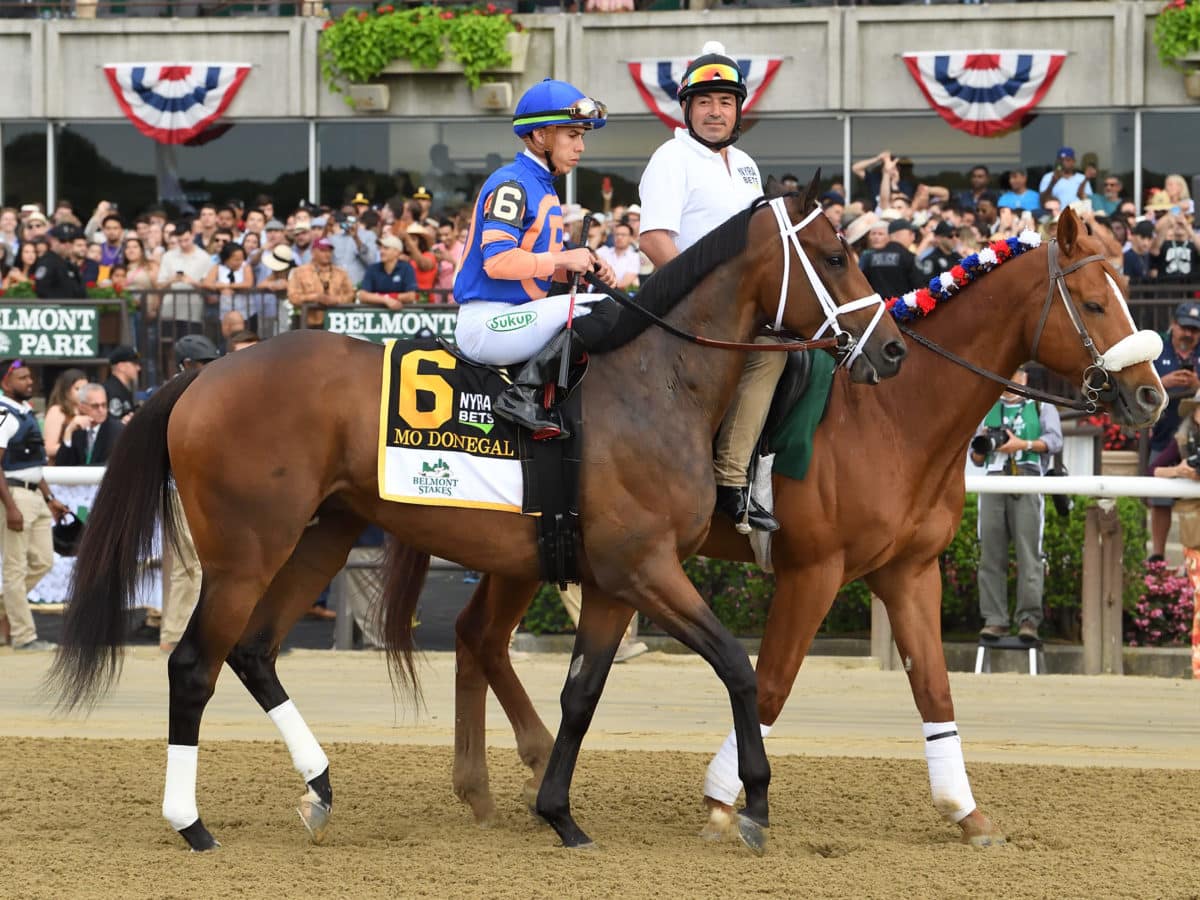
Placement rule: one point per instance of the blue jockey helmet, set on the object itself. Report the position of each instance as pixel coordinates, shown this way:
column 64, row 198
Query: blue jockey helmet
column 553, row 102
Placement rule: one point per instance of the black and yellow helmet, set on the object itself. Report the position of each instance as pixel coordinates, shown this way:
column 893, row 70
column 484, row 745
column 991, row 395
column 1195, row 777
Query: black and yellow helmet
column 712, row 72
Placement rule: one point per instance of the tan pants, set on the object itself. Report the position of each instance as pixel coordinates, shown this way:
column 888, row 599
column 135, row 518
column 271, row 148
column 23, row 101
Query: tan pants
column 572, row 601
column 183, row 583
column 363, row 592
column 28, row 555
column 744, row 420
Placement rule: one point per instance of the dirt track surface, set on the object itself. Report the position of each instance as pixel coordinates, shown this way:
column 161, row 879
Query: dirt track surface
column 80, row 817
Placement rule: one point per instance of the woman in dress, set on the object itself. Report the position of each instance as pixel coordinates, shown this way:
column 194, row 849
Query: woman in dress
column 61, row 408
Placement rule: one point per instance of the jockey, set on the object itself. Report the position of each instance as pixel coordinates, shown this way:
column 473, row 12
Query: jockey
column 692, row 184
column 513, row 273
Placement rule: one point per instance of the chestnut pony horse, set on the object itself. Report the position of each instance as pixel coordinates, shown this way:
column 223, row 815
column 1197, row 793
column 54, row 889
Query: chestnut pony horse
column 276, row 493
column 883, row 509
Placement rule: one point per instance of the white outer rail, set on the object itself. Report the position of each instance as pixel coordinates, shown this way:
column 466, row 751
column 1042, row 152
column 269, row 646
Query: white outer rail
column 1085, row 485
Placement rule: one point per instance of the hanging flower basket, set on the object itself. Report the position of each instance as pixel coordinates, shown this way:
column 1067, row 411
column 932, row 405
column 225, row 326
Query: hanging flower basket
column 358, row 47
column 1177, row 39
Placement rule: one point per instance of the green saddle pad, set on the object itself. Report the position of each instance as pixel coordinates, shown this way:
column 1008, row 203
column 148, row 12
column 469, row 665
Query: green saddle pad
column 793, row 437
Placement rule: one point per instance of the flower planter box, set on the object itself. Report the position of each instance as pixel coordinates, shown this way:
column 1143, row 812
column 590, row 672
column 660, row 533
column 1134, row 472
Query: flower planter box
column 369, row 97
column 516, row 43
column 1119, row 462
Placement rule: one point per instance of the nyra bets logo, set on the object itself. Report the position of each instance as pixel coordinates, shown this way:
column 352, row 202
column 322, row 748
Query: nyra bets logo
column 476, row 410
column 435, row 478
column 512, row 321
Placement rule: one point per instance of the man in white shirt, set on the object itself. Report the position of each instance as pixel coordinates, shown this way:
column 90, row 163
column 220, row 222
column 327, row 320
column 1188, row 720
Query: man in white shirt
column 692, row 184
column 183, row 269
column 622, row 256
column 1064, row 183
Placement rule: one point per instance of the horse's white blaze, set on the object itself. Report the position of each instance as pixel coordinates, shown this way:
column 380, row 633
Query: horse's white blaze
column 1112, row 286
column 307, row 756
column 179, row 795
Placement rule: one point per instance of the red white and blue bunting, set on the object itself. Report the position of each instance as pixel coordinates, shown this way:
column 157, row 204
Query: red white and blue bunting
column 985, row 92
column 173, row 103
column 923, row 301
column 657, row 80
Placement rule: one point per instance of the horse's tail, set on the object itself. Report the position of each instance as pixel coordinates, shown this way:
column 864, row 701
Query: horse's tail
column 404, row 577
column 119, row 535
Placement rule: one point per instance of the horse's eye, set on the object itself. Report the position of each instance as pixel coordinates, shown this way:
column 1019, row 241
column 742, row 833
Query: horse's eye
column 835, row 262
column 1093, row 307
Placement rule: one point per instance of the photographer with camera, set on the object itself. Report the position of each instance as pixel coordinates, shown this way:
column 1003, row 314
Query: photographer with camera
column 1017, row 437
column 354, row 247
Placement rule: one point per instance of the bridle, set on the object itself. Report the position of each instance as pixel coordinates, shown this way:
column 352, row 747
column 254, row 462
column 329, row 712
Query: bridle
column 1097, row 385
column 843, row 344
column 789, row 232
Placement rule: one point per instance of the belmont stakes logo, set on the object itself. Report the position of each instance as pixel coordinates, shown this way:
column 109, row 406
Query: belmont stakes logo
column 435, row 478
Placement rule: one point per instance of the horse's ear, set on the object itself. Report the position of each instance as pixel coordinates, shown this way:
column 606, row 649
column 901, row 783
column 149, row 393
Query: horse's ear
column 774, row 188
column 811, row 192
column 1068, row 231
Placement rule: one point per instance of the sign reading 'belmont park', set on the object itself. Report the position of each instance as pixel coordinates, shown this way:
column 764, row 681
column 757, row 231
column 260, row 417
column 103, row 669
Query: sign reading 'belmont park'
column 379, row 325
column 49, row 331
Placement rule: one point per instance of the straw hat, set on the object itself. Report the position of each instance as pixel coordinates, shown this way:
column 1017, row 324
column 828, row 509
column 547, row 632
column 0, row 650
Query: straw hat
column 857, row 230
column 1160, row 201
column 1188, row 404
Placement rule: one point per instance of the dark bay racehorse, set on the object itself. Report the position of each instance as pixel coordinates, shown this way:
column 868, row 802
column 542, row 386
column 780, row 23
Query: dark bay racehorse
column 274, row 451
column 883, row 509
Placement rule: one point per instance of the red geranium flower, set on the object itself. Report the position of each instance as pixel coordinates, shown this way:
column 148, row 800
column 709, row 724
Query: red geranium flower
column 491, row 8
column 362, row 17
column 328, row 24
column 384, row 10
column 447, row 16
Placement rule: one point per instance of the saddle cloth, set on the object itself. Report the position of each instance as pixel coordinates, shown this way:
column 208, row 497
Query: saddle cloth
column 439, row 444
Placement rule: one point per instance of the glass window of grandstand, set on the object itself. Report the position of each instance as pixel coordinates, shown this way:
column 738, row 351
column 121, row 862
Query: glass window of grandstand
column 1169, row 141
column 944, row 156
column 116, row 163
column 24, row 163
column 389, row 161
column 791, row 146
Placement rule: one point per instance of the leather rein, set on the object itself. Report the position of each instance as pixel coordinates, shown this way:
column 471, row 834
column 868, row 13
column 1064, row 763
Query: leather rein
column 1093, row 390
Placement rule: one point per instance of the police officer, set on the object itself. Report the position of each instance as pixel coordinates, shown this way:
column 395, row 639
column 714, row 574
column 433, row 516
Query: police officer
column 124, row 365
column 942, row 257
column 515, row 258
column 192, row 352
column 28, row 505
column 692, row 184
column 55, row 276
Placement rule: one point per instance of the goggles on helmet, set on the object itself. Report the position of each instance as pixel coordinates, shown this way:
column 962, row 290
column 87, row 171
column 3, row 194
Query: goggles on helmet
column 585, row 109
column 713, row 72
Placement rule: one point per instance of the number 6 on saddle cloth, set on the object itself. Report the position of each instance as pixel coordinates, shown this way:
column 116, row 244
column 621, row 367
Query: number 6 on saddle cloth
column 440, row 444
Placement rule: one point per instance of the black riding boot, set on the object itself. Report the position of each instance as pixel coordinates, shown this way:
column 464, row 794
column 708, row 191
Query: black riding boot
column 747, row 515
column 521, row 402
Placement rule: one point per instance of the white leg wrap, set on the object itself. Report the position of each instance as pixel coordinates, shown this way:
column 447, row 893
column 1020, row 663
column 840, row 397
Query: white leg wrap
column 179, row 796
column 947, row 772
column 721, row 782
column 307, row 756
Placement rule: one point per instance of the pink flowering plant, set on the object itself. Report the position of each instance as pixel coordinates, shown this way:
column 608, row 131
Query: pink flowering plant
column 1162, row 615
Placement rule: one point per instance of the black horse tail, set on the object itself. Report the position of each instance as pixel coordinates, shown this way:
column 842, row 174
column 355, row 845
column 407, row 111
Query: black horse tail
column 404, row 577
column 118, row 537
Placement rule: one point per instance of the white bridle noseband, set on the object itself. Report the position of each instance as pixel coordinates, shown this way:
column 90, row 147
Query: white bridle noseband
column 788, row 233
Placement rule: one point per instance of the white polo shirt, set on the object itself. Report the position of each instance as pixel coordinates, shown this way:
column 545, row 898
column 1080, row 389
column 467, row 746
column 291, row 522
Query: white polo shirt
column 627, row 263
column 688, row 190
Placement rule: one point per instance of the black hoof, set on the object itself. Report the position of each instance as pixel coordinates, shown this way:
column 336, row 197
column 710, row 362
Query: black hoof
column 198, row 837
column 752, row 834
column 572, row 835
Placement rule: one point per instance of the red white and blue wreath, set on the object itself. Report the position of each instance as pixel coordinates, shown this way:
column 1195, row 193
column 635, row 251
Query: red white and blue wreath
column 923, row 301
